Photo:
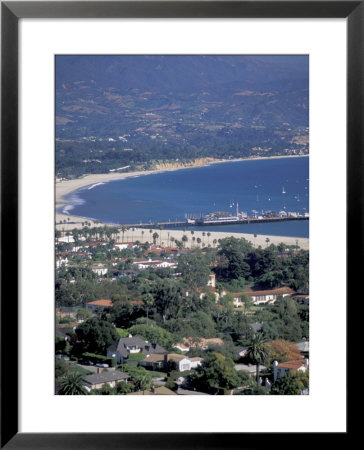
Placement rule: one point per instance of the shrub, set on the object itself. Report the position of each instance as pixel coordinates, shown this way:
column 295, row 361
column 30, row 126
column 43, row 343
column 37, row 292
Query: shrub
column 170, row 384
column 136, row 356
column 99, row 359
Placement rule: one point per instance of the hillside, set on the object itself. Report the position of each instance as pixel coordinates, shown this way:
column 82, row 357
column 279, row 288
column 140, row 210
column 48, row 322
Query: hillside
column 116, row 111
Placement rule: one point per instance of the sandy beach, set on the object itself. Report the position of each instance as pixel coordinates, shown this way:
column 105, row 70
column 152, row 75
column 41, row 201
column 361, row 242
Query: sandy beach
column 66, row 222
column 165, row 237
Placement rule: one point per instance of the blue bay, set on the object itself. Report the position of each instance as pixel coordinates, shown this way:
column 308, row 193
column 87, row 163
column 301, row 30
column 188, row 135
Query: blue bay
column 256, row 185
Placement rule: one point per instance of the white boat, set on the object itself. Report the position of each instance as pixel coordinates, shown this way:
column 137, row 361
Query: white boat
column 283, row 190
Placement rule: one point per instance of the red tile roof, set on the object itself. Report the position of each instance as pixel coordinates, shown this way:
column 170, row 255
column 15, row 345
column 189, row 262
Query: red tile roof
column 102, row 302
column 296, row 364
column 278, row 291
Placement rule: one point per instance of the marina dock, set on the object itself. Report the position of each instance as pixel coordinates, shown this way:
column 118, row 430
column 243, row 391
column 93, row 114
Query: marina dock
column 187, row 224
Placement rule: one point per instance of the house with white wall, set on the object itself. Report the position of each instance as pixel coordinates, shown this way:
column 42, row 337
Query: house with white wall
column 262, row 297
column 281, row 369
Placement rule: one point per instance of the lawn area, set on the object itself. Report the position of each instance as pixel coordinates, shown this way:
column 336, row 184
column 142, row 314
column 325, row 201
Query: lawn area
column 156, row 374
column 80, row 370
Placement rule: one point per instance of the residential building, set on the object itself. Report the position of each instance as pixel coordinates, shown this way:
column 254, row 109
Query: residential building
column 100, row 269
column 156, row 264
column 122, row 347
column 212, row 280
column 281, row 369
column 262, row 297
column 98, row 380
column 180, row 362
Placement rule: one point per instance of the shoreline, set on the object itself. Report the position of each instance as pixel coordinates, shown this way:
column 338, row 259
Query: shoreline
column 64, row 188
column 165, row 237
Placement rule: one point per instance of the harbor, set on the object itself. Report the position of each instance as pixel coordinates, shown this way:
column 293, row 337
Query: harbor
column 225, row 218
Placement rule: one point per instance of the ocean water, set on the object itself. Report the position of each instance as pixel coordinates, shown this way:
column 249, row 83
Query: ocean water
column 255, row 185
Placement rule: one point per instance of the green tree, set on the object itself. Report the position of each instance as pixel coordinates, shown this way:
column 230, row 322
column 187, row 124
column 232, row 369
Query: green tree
column 123, row 388
column 167, row 298
column 153, row 334
column 257, row 352
column 194, row 270
column 139, row 376
column 83, row 314
column 248, row 302
column 148, row 301
column 216, row 374
column 293, row 383
column 72, row 384
column 61, row 368
column 234, row 251
column 96, row 335
column 155, row 237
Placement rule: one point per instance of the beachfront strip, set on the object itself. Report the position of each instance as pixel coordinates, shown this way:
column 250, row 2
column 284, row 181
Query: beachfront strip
column 153, row 317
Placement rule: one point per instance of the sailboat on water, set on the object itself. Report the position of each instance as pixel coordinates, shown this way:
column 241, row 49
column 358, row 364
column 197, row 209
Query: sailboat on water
column 283, row 190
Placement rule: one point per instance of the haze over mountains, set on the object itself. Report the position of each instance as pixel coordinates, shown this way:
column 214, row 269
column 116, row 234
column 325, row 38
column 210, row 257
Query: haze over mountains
column 113, row 110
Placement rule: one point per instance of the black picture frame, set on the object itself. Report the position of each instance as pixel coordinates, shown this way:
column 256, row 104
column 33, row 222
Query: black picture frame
column 11, row 12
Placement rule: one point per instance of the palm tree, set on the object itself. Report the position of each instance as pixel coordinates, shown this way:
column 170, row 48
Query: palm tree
column 160, row 238
column 148, row 301
column 72, row 384
column 208, row 237
column 184, row 239
column 257, row 352
column 267, row 241
column 255, row 236
column 123, row 229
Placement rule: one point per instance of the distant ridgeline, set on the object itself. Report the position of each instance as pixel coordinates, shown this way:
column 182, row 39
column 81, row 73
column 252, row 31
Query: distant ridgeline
column 117, row 111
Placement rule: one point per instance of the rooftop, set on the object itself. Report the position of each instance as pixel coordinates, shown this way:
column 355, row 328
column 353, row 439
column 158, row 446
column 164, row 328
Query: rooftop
column 175, row 357
column 278, row 291
column 296, row 364
column 105, row 377
column 102, row 302
column 154, row 358
column 121, row 345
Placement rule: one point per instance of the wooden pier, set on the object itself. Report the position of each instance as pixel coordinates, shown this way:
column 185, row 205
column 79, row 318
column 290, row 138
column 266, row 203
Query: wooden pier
column 186, row 224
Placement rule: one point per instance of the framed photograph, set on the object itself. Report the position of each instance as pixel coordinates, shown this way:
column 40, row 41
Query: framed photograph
column 247, row 119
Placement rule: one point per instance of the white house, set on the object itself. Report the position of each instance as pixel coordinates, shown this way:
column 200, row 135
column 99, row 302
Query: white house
column 263, row 297
column 61, row 262
column 182, row 362
column 100, row 269
column 156, row 264
column 281, row 369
